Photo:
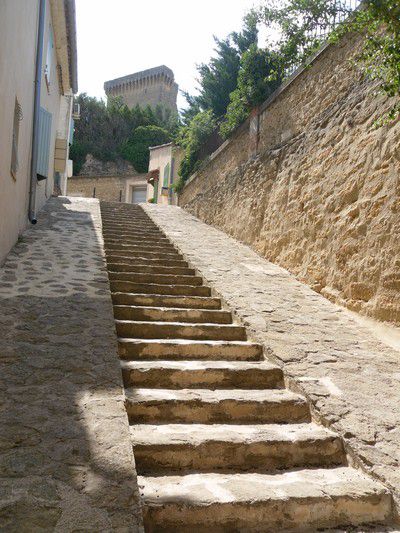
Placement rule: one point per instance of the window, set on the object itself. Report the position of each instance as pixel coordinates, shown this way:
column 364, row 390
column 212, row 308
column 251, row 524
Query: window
column 15, row 137
column 49, row 57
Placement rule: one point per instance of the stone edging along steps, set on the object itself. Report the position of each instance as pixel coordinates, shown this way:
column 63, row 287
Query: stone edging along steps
column 220, row 444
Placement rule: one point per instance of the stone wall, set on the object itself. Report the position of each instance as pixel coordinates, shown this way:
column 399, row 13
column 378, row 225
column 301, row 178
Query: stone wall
column 321, row 197
column 107, row 188
column 154, row 86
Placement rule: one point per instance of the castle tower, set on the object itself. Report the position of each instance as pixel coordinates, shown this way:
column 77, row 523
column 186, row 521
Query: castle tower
column 148, row 87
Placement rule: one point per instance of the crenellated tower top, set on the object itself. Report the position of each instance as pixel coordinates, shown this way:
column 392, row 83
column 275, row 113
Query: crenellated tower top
column 148, row 87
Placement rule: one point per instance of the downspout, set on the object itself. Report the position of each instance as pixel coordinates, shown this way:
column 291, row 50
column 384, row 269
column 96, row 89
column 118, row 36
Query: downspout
column 36, row 110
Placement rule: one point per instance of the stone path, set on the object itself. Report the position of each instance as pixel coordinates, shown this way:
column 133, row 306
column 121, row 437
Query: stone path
column 66, row 463
column 351, row 379
column 220, row 444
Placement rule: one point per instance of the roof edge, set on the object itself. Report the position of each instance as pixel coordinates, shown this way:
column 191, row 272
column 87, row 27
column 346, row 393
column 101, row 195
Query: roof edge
column 70, row 16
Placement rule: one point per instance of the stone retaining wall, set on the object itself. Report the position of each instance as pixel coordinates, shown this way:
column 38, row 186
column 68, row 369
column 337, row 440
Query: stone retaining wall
column 322, row 196
column 346, row 366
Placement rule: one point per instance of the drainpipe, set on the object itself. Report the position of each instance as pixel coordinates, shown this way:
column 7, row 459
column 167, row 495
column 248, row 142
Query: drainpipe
column 36, row 110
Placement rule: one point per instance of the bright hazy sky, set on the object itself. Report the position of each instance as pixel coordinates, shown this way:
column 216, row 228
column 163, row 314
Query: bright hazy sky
column 119, row 37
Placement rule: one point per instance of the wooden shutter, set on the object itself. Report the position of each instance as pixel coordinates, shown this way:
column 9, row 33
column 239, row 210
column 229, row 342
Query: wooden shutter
column 45, row 119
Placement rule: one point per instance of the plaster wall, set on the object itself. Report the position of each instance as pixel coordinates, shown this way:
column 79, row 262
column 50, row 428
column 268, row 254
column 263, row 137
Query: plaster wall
column 160, row 158
column 18, row 39
column 18, row 24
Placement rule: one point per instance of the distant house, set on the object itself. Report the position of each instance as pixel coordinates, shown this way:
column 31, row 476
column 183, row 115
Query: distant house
column 163, row 173
column 38, row 78
column 112, row 181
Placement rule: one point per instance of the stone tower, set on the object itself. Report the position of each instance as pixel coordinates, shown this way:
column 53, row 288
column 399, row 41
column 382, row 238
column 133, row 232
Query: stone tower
column 148, row 87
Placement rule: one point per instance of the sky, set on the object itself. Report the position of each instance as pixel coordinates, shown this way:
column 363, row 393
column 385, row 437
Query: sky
column 119, row 37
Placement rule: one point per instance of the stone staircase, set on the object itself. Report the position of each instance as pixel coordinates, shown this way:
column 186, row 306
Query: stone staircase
column 220, row 444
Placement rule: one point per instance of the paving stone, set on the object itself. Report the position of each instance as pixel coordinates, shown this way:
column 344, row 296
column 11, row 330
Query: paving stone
column 66, row 463
column 351, row 377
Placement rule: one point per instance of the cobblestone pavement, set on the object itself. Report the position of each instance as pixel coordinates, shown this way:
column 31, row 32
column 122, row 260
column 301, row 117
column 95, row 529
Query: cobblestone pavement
column 66, row 462
column 351, row 379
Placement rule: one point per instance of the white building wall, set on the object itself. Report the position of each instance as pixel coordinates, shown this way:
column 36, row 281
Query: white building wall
column 18, row 30
column 18, row 40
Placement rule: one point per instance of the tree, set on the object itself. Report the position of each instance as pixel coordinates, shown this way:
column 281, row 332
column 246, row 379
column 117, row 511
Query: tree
column 191, row 139
column 136, row 149
column 104, row 130
column 301, row 26
column 259, row 75
column 218, row 78
column 379, row 22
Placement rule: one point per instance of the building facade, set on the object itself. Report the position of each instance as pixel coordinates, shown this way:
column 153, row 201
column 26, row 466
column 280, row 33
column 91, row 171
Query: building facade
column 38, row 78
column 128, row 189
column 155, row 86
column 112, row 181
column 163, row 173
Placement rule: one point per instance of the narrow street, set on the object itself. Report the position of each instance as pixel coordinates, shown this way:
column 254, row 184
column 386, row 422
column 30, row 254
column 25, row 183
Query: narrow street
column 220, row 443
column 234, row 394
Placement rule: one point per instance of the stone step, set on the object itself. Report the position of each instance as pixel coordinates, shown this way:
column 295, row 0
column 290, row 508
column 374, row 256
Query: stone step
column 143, row 240
column 151, row 300
column 139, row 241
column 229, row 448
column 202, row 374
column 150, row 269
column 122, row 229
column 139, row 254
column 180, row 330
column 155, row 288
column 112, row 233
column 120, row 245
column 135, row 219
column 150, row 261
column 205, row 406
column 304, row 500
column 180, row 349
column 163, row 279
column 135, row 236
column 129, row 225
column 170, row 314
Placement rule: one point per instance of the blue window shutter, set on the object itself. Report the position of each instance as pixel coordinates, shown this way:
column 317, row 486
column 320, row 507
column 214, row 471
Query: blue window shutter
column 45, row 119
column 71, row 131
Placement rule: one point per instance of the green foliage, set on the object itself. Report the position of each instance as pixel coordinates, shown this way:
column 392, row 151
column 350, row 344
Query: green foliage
column 218, row 78
column 136, row 149
column 301, row 26
column 178, row 185
column 379, row 21
column 259, row 75
column 192, row 137
column 104, row 130
column 78, row 152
